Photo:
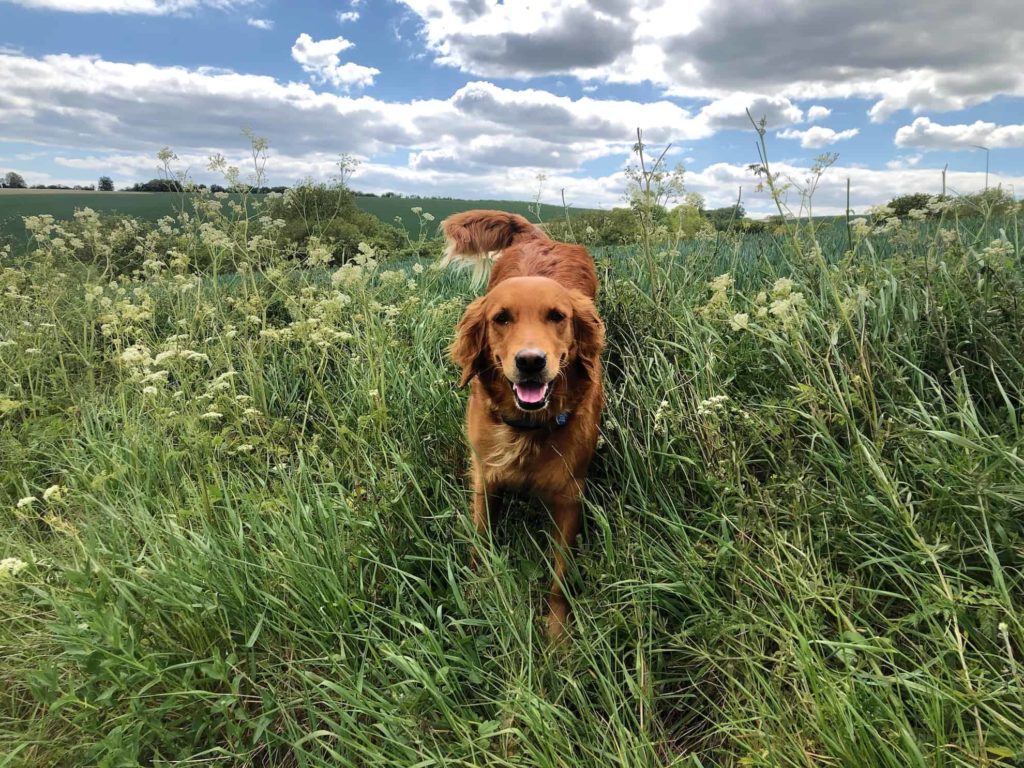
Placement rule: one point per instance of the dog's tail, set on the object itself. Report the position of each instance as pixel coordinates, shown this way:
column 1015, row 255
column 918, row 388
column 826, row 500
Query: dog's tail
column 477, row 238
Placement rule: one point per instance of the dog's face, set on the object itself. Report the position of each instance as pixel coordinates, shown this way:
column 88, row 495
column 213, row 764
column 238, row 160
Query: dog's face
column 527, row 330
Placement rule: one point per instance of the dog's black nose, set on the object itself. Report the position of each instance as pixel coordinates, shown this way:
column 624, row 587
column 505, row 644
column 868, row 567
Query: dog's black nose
column 531, row 360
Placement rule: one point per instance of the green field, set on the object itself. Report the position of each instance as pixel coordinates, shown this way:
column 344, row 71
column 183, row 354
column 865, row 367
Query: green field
column 387, row 208
column 233, row 512
column 16, row 204
column 150, row 206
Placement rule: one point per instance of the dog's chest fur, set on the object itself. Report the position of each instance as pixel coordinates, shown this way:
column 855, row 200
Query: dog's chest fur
column 512, row 458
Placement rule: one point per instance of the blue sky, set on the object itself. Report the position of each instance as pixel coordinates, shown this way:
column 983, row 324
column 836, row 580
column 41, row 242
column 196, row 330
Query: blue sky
column 476, row 98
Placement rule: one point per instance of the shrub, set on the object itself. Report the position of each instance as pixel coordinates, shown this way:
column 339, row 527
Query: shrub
column 685, row 220
column 329, row 213
column 903, row 204
column 723, row 219
column 994, row 201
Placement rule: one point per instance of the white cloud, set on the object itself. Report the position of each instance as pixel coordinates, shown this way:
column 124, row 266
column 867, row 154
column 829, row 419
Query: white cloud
column 868, row 186
column 523, row 39
column 320, row 59
column 347, row 16
column 925, row 134
column 482, row 141
column 717, row 182
column 264, row 24
column 146, row 7
column 816, row 113
column 914, row 56
column 561, row 118
column 817, row 136
column 731, row 111
column 80, row 101
column 906, row 161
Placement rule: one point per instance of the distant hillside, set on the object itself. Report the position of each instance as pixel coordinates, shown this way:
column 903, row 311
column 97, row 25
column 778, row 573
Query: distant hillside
column 150, row 206
column 388, row 208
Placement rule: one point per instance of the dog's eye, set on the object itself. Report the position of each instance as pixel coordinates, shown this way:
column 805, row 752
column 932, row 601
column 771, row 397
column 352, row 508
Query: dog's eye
column 555, row 316
column 503, row 317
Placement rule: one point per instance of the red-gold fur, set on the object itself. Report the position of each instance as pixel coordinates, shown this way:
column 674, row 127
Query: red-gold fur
column 540, row 297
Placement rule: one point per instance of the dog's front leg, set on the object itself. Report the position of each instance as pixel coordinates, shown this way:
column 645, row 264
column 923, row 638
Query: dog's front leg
column 566, row 512
column 484, row 500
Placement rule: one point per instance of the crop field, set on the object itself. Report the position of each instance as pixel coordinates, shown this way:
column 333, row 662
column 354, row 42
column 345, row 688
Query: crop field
column 150, row 206
column 387, row 208
column 16, row 204
column 233, row 523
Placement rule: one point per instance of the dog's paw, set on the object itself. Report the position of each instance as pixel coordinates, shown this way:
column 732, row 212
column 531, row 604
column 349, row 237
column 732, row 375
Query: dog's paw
column 558, row 622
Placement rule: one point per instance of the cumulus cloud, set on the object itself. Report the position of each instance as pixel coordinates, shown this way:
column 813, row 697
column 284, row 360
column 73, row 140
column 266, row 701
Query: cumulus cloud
column 86, row 101
column 146, row 7
column 900, row 56
column 320, row 59
column 905, row 161
column 816, row 113
column 483, row 141
column 264, row 24
column 717, row 182
column 868, row 186
column 925, row 134
column 546, row 114
column 731, row 111
column 344, row 17
column 817, row 136
column 520, row 39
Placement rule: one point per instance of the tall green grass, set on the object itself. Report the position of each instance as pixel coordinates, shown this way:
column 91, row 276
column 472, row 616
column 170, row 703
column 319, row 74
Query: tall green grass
column 802, row 542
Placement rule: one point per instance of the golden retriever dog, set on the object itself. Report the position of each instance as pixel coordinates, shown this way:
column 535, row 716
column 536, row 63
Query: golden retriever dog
column 530, row 347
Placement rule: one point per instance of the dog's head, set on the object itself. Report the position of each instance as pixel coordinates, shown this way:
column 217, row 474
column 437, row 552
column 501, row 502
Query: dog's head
column 528, row 331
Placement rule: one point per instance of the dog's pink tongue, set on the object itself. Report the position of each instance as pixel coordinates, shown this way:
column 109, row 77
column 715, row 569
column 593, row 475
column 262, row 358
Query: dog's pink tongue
column 530, row 392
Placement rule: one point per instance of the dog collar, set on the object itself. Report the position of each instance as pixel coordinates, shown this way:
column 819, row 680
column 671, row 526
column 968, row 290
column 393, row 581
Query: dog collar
column 560, row 421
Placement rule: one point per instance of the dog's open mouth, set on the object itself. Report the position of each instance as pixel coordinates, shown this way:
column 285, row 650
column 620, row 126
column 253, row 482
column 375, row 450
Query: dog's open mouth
column 531, row 395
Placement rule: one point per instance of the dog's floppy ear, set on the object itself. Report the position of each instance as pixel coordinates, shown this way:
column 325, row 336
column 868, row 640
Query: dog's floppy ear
column 588, row 333
column 469, row 350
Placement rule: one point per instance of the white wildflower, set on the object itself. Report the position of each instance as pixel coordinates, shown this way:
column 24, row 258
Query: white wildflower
column 10, row 567
column 782, row 288
column 721, row 284
column 54, row 493
column 156, row 376
column 861, row 228
column 712, row 405
column 788, row 309
column 660, row 415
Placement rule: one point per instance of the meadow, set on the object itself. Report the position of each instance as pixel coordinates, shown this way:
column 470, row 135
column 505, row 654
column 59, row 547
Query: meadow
column 15, row 205
column 234, row 530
